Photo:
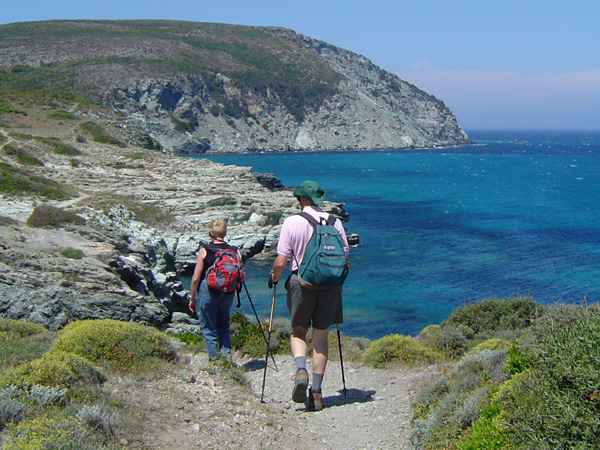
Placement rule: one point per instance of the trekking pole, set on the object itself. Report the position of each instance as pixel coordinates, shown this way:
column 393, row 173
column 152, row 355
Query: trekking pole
column 337, row 325
column 268, row 344
column 259, row 324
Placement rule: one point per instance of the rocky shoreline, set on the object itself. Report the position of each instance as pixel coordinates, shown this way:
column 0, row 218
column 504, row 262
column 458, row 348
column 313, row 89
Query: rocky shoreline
column 129, row 270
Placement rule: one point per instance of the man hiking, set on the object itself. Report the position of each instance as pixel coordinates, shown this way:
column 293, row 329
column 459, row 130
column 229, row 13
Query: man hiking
column 319, row 306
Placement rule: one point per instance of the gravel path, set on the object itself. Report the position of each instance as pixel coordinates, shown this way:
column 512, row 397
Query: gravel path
column 203, row 407
column 375, row 413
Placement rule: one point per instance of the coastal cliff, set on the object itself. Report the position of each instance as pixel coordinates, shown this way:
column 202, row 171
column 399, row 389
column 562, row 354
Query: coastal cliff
column 193, row 88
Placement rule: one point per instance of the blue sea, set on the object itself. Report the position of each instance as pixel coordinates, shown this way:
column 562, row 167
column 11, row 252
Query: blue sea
column 515, row 214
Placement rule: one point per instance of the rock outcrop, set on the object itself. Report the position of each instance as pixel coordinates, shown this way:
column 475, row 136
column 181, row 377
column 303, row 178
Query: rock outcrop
column 126, row 269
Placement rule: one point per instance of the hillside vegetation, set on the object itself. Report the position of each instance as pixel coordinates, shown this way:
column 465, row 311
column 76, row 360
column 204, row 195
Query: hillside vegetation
column 190, row 88
column 508, row 374
column 518, row 376
column 95, row 53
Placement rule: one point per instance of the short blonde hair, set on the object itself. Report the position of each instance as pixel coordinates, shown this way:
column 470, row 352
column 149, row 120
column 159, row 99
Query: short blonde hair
column 217, row 228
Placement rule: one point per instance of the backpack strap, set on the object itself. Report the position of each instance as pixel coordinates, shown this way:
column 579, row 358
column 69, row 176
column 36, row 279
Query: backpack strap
column 314, row 222
column 215, row 249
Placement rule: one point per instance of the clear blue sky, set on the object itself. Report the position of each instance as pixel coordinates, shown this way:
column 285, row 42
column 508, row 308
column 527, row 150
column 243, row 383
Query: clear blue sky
column 501, row 64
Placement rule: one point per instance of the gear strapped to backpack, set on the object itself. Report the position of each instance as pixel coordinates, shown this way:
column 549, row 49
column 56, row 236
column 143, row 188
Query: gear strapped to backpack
column 225, row 274
column 325, row 263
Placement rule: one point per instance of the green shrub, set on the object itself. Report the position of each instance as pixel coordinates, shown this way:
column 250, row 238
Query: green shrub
column 72, row 253
column 122, row 165
column 22, row 341
column 185, row 126
column 66, row 149
column 518, row 358
column 550, row 401
column 22, row 155
column 45, row 216
column 247, row 337
column 8, row 109
column 494, row 315
column 492, row 344
column 447, row 339
column 25, row 136
column 20, row 328
column 555, row 402
column 61, row 114
column 486, row 434
column 99, row 134
column 42, row 433
column 396, row 348
column 15, row 181
column 75, row 163
column 221, row 201
column 187, row 338
column 124, row 345
column 54, row 368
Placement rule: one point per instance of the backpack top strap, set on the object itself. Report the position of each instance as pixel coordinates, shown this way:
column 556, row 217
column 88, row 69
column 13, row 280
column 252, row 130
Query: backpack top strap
column 308, row 217
column 314, row 222
column 216, row 247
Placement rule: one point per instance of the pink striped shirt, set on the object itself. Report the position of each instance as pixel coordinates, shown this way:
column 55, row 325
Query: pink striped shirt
column 296, row 231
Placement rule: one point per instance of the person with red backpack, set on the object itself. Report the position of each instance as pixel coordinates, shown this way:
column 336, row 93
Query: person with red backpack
column 217, row 275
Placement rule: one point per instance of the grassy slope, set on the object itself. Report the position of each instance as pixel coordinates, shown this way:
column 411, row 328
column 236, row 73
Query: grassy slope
column 88, row 54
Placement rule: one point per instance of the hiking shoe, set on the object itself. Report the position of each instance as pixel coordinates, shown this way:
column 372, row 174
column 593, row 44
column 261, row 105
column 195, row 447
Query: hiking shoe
column 300, row 384
column 314, row 402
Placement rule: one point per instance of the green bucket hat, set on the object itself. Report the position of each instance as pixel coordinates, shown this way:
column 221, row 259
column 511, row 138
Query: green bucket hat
column 310, row 189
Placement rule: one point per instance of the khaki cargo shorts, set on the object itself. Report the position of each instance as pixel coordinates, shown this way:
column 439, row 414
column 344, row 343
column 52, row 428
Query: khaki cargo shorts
column 322, row 307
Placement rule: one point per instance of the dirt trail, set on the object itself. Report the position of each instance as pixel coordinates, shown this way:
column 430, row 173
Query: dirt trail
column 202, row 407
column 375, row 413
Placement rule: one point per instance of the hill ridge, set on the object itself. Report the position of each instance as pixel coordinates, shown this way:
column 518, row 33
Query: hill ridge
column 195, row 87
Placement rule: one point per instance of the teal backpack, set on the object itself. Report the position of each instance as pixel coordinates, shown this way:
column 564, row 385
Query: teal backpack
column 325, row 263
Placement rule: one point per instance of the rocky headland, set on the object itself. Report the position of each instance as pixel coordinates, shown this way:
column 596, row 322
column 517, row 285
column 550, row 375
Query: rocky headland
column 193, row 88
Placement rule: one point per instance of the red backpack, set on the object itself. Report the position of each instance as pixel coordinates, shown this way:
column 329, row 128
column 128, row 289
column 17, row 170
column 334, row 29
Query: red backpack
column 225, row 274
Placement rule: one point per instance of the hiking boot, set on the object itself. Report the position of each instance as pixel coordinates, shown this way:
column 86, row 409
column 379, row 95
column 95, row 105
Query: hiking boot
column 314, row 402
column 300, row 384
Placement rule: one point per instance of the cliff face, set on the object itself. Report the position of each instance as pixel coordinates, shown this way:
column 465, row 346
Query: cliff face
column 192, row 88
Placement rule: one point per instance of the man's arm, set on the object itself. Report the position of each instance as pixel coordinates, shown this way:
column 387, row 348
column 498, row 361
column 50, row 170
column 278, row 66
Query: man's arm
column 278, row 268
